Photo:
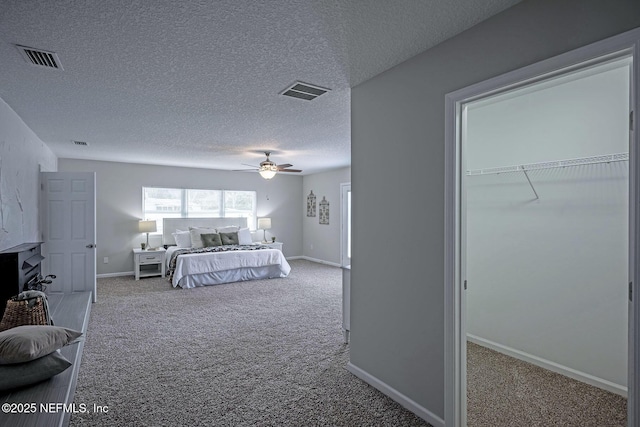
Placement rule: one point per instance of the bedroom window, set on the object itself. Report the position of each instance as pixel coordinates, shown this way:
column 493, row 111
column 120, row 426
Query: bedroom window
column 158, row 203
column 204, row 204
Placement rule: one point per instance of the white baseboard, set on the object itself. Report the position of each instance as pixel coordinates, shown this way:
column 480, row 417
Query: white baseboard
column 551, row 366
column 319, row 261
column 122, row 273
column 394, row 394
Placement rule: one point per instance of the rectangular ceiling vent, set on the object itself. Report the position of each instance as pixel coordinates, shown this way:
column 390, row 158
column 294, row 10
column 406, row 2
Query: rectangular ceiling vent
column 39, row 57
column 304, row 91
column 82, row 143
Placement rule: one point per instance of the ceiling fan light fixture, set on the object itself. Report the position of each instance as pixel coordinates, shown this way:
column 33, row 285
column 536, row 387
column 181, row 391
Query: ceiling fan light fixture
column 268, row 171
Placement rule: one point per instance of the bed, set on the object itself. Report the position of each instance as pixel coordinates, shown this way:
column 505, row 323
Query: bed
column 190, row 267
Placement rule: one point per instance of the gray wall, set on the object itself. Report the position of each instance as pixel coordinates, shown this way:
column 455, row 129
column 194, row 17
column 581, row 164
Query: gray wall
column 322, row 242
column 22, row 156
column 397, row 311
column 119, row 203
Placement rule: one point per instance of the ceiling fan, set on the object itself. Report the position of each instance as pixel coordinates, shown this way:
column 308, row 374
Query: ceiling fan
column 268, row 169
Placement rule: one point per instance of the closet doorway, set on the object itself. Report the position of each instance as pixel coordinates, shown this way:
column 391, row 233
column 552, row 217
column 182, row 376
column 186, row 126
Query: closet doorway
column 546, row 250
column 540, row 223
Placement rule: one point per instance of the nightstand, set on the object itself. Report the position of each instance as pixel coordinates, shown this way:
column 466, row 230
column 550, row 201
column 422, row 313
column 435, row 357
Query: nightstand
column 149, row 263
column 273, row 245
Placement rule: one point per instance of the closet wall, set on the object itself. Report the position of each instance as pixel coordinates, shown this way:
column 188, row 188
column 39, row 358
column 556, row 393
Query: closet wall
column 548, row 276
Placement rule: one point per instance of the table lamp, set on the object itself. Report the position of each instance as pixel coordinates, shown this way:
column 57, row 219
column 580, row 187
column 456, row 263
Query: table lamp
column 264, row 224
column 147, row 227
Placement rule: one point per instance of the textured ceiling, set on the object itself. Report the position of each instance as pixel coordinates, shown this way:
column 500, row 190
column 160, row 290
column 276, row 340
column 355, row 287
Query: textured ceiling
column 196, row 83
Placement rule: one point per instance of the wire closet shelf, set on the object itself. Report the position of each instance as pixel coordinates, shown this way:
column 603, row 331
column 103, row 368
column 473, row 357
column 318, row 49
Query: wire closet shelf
column 606, row 158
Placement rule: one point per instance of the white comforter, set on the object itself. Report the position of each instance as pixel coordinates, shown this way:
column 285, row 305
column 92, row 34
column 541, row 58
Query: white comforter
column 206, row 263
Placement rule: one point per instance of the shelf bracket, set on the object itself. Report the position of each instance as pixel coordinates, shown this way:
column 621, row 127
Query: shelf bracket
column 529, row 180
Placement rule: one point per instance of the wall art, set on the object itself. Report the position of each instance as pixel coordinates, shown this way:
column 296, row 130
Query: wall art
column 311, row 204
column 324, row 211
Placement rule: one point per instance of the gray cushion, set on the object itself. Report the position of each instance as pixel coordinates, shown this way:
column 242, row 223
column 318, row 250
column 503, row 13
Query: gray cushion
column 27, row 373
column 29, row 342
column 209, row 240
column 229, row 238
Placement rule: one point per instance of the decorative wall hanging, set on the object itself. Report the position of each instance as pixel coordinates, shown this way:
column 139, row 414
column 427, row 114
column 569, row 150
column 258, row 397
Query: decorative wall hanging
column 311, row 204
column 324, row 211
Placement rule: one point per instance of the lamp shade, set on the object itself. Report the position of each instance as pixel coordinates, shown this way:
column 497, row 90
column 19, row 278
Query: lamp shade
column 147, row 227
column 264, row 223
column 268, row 171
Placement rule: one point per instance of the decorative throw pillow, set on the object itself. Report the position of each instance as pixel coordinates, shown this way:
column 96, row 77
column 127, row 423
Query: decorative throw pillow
column 22, row 374
column 229, row 238
column 183, row 238
column 29, row 342
column 196, row 241
column 209, row 240
column 244, row 237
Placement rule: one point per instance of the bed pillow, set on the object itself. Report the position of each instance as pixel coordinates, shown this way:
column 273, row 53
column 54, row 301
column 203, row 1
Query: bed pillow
column 209, row 240
column 29, row 342
column 182, row 238
column 228, row 229
column 244, row 237
column 195, row 232
column 27, row 373
column 229, row 238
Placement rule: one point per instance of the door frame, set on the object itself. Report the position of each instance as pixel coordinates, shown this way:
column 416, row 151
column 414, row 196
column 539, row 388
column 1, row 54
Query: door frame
column 345, row 224
column 625, row 44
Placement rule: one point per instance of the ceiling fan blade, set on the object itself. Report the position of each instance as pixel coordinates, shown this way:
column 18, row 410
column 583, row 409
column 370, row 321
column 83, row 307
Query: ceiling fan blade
column 289, row 170
column 284, row 166
column 244, row 170
column 253, row 166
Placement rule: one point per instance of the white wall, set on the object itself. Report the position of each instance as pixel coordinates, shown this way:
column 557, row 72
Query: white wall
column 119, row 203
column 397, row 120
column 322, row 242
column 22, row 156
column 548, row 276
column 586, row 115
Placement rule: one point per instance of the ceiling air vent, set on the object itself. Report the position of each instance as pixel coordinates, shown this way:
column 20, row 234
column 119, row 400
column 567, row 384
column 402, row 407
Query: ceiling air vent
column 304, row 91
column 41, row 58
column 82, row 143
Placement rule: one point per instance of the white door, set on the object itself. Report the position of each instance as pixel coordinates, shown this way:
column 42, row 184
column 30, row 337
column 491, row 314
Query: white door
column 68, row 221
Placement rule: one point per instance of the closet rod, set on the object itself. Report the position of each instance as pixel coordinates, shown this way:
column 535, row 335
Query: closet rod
column 607, row 158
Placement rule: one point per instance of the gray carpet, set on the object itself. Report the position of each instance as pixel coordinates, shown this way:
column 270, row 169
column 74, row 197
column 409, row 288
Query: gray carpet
column 260, row 353
column 503, row 391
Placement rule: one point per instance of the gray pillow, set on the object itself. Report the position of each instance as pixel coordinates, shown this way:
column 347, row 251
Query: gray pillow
column 209, row 240
column 229, row 238
column 29, row 342
column 27, row 373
